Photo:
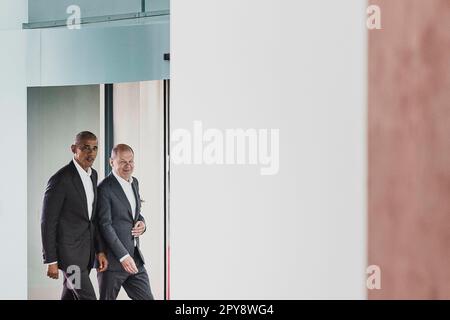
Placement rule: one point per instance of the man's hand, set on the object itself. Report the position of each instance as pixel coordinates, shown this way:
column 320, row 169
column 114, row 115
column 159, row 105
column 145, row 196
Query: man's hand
column 102, row 262
column 52, row 271
column 138, row 229
column 129, row 265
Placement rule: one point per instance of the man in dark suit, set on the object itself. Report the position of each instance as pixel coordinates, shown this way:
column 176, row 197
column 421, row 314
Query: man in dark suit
column 121, row 224
column 70, row 240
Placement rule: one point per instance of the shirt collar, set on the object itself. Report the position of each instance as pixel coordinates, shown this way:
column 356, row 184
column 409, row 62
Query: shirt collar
column 80, row 170
column 122, row 180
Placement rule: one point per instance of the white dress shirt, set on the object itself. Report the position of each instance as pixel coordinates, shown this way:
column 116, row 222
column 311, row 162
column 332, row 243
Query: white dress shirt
column 88, row 189
column 128, row 189
column 88, row 186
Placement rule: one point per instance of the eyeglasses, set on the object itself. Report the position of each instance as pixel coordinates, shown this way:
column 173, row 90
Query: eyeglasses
column 86, row 148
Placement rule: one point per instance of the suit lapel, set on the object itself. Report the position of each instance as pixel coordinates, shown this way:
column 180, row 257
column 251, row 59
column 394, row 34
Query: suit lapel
column 138, row 201
column 94, row 184
column 118, row 191
column 76, row 179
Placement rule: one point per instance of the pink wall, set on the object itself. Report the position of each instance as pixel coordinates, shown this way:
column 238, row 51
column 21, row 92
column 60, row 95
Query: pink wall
column 409, row 149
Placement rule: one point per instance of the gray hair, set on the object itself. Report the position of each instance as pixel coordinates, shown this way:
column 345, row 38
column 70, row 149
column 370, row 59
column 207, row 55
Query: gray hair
column 120, row 148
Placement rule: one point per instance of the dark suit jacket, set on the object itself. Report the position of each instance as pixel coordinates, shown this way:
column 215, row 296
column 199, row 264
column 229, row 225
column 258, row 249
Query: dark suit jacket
column 68, row 236
column 115, row 220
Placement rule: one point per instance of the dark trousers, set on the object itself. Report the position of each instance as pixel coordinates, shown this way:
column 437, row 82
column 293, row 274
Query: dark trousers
column 78, row 290
column 137, row 286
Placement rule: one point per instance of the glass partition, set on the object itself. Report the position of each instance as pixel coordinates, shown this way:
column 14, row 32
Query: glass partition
column 51, row 10
column 157, row 5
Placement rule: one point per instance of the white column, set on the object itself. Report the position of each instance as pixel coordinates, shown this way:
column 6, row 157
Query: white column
column 13, row 144
column 296, row 66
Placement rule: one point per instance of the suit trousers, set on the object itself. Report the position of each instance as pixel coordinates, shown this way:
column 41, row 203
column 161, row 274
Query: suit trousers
column 78, row 290
column 137, row 286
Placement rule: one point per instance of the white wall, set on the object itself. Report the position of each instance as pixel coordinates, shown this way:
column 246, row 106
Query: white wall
column 299, row 66
column 13, row 143
column 138, row 122
column 55, row 116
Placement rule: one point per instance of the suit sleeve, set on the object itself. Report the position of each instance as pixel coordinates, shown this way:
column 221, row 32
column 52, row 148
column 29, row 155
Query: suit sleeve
column 141, row 218
column 105, row 224
column 99, row 243
column 100, row 246
column 51, row 210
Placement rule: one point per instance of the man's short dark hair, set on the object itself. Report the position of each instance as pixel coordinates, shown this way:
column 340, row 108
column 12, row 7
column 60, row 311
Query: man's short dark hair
column 83, row 136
